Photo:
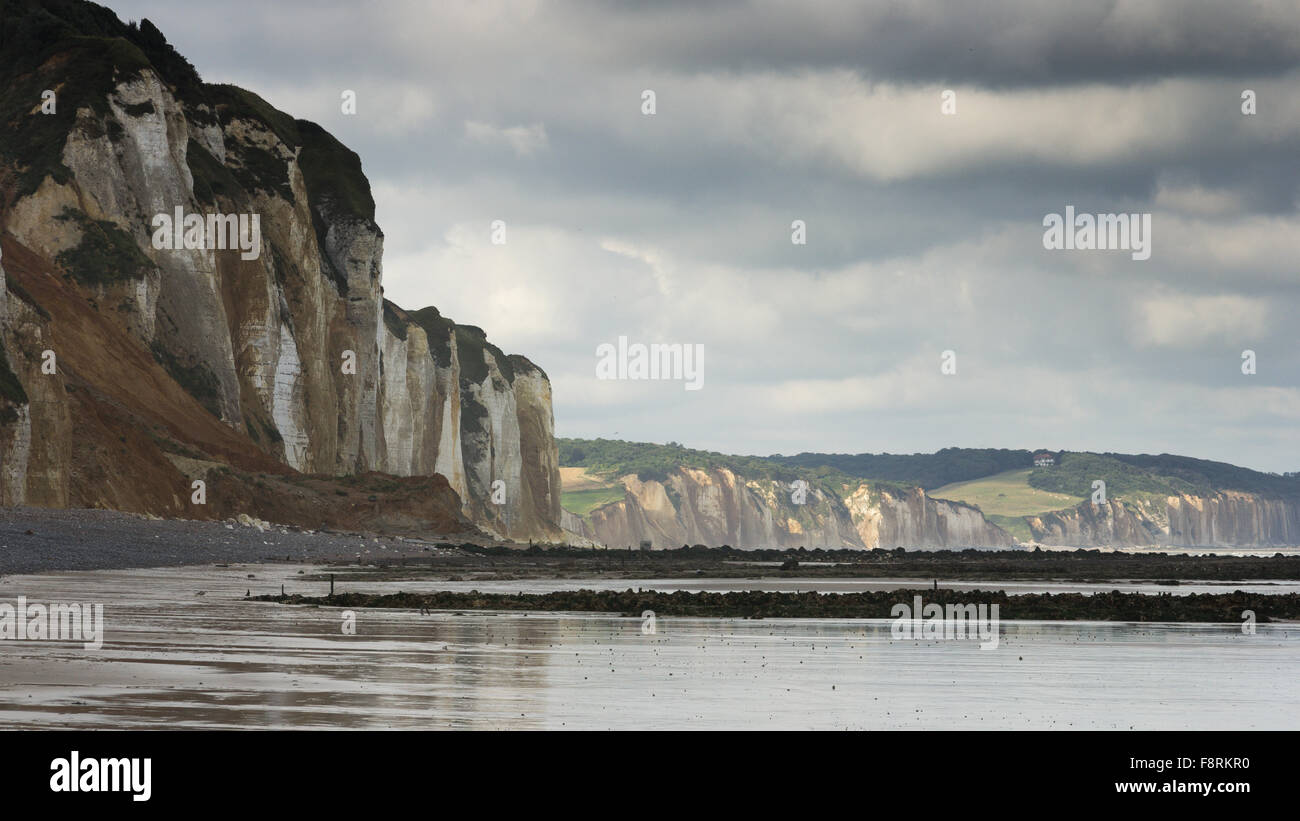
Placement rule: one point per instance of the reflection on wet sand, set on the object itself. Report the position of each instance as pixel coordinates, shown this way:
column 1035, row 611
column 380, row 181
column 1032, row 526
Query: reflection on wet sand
column 175, row 658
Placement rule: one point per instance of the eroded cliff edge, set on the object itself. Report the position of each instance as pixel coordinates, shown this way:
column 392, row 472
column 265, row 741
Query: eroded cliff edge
column 715, row 506
column 170, row 364
column 1222, row 519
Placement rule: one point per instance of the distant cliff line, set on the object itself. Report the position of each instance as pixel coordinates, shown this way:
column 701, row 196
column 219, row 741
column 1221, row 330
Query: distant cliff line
column 669, row 495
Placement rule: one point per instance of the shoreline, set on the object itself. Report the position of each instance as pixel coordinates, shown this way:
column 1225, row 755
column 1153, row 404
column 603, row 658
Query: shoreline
column 41, row 540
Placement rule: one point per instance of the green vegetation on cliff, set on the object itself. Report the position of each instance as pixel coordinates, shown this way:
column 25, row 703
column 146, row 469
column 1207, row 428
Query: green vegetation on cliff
column 211, row 178
column 1006, row 494
column 611, row 457
column 235, row 102
column 1076, row 472
column 255, row 167
column 926, row 470
column 80, row 51
column 1206, row 475
column 395, row 320
column 471, row 342
column 437, row 329
column 583, row 502
column 1000, row 482
column 332, row 172
column 106, row 254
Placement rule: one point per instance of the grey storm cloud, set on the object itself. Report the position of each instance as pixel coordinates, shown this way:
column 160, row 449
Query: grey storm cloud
column 924, row 230
column 994, row 43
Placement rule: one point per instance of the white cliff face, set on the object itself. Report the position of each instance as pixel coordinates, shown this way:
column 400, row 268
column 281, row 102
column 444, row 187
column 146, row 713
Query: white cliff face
column 1232, row 518
column 888, row 518
column 399, row 426
column 450, row 459
column 539, row 457
column 493, row 439
column 128, row 178
column 287, row 410
column 490, row 444
column 866, row 514
column 354, row 248
column 411, row 404
column 1112, row 524
column 716, row 507
column 208, row 135
column 281, row 300
column 1222, row 519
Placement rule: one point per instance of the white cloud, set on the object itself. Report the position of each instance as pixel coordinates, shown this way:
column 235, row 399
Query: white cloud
column 523, row 140
column 1197, row 200
column 1189, row 321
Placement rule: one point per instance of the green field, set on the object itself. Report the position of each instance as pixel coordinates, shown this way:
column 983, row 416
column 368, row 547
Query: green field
column 583, row 502
column 1006, row 495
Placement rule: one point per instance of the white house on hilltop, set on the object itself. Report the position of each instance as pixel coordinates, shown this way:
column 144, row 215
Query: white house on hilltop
column 1044, row 460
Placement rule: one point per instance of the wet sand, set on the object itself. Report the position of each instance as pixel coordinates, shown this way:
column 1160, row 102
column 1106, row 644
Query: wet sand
column 173, row 658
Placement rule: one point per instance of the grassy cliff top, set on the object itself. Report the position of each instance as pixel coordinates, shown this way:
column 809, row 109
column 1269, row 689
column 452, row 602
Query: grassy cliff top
column 610, row 457
column 471, row 342
column 1128, row 476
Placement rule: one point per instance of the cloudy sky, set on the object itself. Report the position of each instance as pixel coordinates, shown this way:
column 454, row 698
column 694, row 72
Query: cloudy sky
column 924, row 229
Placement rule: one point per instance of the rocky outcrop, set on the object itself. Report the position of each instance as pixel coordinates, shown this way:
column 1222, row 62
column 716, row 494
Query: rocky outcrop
column 1224, row 519
column 286, row 344
column 716, row 507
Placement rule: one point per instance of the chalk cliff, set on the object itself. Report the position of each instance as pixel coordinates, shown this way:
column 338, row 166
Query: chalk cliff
column 716, row 506
column 288, row 361
column 1222, row 519
column 887, row 516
